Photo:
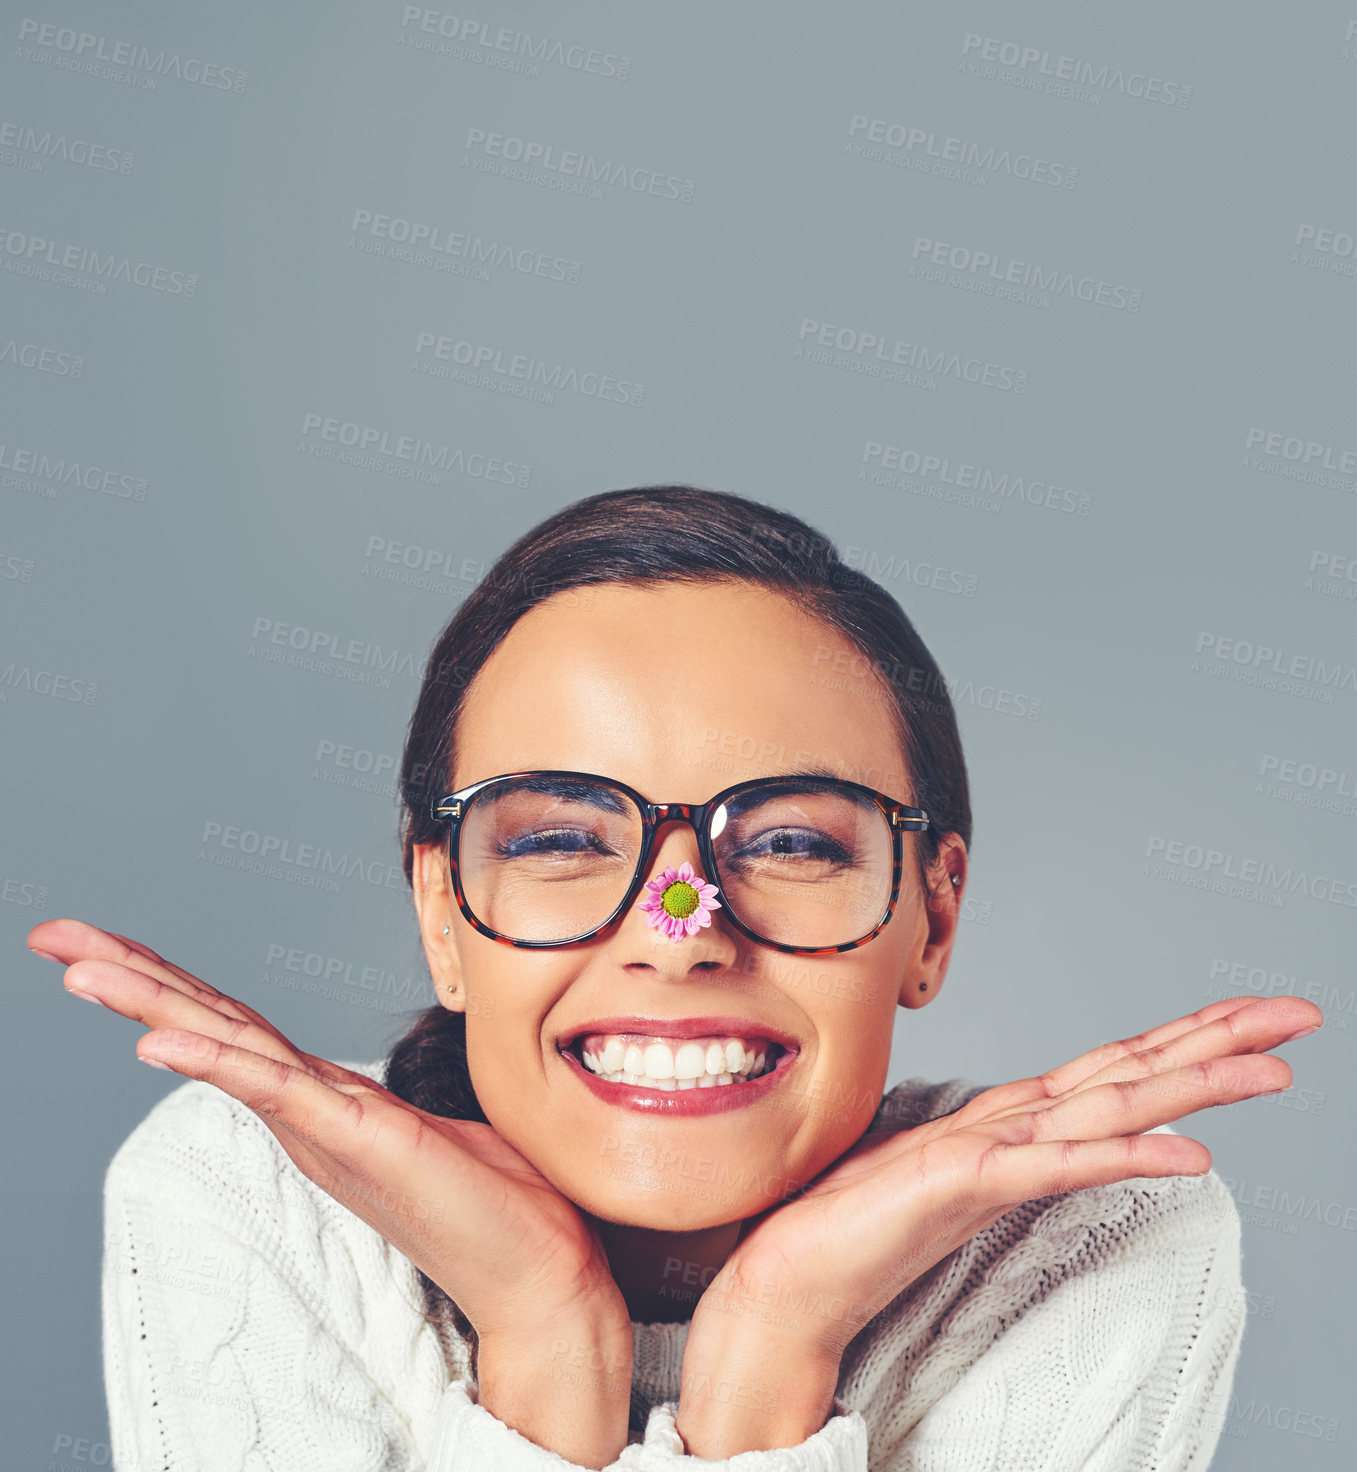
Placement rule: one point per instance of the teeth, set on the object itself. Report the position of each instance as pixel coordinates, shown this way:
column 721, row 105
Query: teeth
column 690, row 1062
column 659, row 1061
column 693, row 1063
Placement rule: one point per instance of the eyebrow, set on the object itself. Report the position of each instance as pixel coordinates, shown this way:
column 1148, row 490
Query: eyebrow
column 567, row 789
column 785, row 784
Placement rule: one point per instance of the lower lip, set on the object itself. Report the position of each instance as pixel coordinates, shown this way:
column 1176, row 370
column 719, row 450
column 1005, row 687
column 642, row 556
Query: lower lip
column 714, row 1100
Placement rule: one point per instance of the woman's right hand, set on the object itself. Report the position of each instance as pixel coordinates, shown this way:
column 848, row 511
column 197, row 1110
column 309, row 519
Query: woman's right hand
column 519, row 1259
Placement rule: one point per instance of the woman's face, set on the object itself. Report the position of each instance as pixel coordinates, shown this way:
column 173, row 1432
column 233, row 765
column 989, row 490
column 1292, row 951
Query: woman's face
column 679, row 691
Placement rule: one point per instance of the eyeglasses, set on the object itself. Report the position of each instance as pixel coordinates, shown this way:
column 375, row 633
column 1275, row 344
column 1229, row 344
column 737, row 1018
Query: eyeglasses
column 804, row 864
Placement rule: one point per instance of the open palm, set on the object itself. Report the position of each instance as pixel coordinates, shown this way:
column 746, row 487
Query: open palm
column 894, row 1205
column 460, row 1202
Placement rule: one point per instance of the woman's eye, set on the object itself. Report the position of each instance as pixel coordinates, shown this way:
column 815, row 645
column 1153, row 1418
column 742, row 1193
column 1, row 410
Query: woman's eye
column 794, row 843
column 550, row 842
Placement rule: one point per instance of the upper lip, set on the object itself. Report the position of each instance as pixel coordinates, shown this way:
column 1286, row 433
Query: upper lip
column 682, row 1027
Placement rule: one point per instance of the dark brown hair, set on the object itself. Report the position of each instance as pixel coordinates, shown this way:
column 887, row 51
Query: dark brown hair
column 657, row 534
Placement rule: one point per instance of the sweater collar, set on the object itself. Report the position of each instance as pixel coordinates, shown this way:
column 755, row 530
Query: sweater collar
column 657, row 1360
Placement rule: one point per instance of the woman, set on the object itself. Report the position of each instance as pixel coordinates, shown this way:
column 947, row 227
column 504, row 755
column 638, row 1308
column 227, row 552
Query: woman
column 685, row 820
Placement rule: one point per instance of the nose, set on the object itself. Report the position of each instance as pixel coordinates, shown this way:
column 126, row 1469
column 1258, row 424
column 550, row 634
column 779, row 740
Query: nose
column 645, row 947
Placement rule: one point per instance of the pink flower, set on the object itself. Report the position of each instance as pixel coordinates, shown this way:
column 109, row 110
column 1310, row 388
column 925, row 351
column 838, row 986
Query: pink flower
column 679, row 901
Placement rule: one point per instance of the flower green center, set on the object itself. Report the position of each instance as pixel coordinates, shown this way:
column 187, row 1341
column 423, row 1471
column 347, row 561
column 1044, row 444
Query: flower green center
column 680, row 900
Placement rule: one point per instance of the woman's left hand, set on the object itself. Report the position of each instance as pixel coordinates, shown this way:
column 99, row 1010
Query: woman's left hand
column 807, row 1275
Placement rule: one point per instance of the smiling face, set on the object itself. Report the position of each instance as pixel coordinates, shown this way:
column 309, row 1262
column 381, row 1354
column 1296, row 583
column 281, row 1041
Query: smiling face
column 679, row 691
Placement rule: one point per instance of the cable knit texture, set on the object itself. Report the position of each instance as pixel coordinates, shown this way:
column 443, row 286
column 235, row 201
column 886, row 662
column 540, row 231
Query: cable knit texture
column 253, row 1324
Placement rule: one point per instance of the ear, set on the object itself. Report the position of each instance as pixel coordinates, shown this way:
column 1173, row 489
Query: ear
column 437, row 910
column 936, row 926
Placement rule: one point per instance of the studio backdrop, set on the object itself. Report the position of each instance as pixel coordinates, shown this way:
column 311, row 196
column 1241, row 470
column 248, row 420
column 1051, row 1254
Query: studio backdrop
column 1045, row 314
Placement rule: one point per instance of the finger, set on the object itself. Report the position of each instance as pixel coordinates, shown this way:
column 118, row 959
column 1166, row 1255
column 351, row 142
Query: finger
column 1012, row 1174
column 1023, row 1094
column 1130, row 1106
column 157, row 1003
column 75, row 940
column 1249, row 1029
column 75, row 943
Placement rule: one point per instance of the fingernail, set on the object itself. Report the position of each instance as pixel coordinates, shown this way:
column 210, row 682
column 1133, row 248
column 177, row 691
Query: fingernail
column 46, row 955
column 1303, row 1033
column 155, row 1063
column 87, row 997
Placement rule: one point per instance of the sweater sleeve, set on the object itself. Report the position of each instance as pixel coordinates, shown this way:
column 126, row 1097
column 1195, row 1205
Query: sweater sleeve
column 472, row 1440
column 250, row 1322
column 1104, row 1338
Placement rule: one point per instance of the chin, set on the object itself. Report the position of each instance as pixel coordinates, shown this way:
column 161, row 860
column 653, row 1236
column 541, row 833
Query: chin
column 664, row 1208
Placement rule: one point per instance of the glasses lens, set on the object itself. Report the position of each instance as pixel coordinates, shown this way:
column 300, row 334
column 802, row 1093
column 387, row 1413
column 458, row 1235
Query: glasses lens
column 548, row 858
column 803, row 864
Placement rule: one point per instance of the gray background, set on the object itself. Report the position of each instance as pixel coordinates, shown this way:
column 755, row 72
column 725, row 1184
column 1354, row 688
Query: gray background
column 171, row 504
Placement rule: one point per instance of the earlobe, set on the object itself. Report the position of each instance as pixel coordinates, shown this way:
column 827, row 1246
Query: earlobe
column 433, row 905
column 937, row 926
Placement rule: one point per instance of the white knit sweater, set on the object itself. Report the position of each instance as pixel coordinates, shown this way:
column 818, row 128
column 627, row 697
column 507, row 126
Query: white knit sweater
column 253, row 1324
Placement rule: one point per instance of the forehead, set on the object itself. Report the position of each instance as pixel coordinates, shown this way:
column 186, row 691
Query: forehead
column 678, row 690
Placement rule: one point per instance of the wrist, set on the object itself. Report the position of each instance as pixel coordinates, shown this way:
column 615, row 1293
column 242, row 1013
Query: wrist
column 744, row 1390
column 565, row 1386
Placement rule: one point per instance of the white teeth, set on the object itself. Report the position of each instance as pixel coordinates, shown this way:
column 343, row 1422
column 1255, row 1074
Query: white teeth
column 659, row 1061
column 661, row 1064
column 690, row 1062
